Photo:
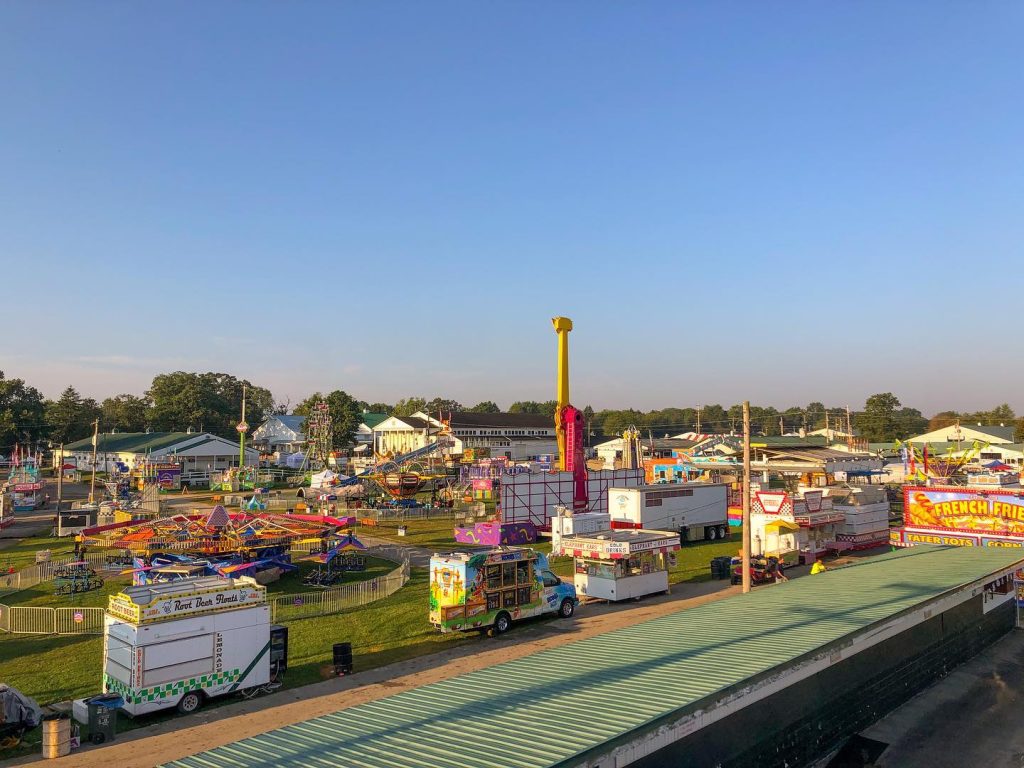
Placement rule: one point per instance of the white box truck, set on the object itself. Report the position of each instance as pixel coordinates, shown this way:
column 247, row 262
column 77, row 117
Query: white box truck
column 177, row 643
column 696, row 511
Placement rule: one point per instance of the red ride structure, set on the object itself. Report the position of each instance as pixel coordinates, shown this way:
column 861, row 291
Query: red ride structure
column 569, row 423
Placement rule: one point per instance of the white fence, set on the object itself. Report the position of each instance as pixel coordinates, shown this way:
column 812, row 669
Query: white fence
column 18, row 619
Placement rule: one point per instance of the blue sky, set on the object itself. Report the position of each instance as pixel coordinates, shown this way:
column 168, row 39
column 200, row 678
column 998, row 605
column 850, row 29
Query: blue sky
column 783, row 202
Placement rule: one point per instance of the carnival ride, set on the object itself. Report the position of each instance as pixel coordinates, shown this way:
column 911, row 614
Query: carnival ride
column 922, row 465
column 334, row 562
column 217, row 534
column 404, row 475
column 23, row 481
column 569, row 426
column 71, row 578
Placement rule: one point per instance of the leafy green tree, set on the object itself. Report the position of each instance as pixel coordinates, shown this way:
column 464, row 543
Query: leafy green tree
column 208, row 401
column 408, row 406
column 815, row 416
column 442, row 405
column 878, row 422
column 22, row 413
column 546, row 408
column 345, row 415
column 486, row 406
column 125, row 413
column 70, row 417
column 374, row 407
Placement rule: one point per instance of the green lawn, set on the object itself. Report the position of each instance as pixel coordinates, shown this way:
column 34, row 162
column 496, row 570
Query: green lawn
column 22, row 553
column 59, row 668
column 430, row 534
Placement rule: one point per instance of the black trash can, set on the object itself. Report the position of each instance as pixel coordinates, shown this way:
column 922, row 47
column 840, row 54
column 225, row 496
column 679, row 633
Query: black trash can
column 103, row 717
column 343, row 659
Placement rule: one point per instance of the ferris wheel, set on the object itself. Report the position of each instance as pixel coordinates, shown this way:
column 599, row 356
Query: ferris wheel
column 319, row 435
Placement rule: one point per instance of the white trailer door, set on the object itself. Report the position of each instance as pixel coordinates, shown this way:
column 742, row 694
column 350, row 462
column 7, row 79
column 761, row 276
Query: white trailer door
column 177, row 660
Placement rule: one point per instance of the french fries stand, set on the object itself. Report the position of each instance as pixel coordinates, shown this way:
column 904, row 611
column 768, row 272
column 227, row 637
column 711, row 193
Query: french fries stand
column 622, row 563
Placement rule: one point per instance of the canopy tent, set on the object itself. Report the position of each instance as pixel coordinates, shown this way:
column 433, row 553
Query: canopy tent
column 997, row 466
column 326, row 479
column 294, row 460
column 780, row 525
column 347, row 543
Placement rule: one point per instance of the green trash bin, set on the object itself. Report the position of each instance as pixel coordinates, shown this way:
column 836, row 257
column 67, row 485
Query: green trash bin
column 103, row 717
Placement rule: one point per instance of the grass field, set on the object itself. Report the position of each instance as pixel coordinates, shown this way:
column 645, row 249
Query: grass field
column 22, row 553
column 59, row 668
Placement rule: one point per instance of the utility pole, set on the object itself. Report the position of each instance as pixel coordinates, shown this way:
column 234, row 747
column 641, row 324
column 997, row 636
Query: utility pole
column 782, row 427
column 60, row 482
column 95, row 438
column 698, row 419
column 745, row 554
column 849, row 430
column 828, row 435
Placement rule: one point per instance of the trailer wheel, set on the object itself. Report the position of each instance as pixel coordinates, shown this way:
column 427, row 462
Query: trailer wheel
column 723, row 532
column 567, row 608
column 711, row 533
column 190, row 702
column 502, row 622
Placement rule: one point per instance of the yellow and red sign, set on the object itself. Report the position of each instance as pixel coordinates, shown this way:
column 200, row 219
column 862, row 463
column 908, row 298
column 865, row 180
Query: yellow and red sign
column 966, row 511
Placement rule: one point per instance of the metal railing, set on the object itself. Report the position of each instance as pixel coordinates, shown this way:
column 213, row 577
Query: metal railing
column 25, row 620
column 40, row 573
column 304, row 605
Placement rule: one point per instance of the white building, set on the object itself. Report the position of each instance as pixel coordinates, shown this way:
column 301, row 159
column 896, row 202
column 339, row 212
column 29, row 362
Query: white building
column 967, row 434
column 198, row 453
column 281, row 433
column 516, row 436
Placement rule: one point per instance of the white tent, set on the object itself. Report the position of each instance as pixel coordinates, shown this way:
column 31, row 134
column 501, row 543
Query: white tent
column 326, row 479
column 294, row 460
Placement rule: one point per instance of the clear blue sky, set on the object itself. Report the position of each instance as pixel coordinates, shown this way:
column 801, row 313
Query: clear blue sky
column 779, row 201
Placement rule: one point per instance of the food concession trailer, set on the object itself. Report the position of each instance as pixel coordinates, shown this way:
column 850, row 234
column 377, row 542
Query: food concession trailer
column 619, row 564
column 178, row 643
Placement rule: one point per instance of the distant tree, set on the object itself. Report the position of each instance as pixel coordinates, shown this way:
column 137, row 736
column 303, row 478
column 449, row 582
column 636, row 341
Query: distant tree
column 209, row 401
column 879, row 422
column 345, row 415
column 374, row 407
column 942, row 420
column 125, row 413
column 486, row 406
column 408, row 406
column 70, row 417
column 442, row 405
column 547, row 408
column 22, row 413
column 815, row 416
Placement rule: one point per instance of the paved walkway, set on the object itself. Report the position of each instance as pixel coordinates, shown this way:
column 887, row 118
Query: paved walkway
column 970, row 718
column 187, row 735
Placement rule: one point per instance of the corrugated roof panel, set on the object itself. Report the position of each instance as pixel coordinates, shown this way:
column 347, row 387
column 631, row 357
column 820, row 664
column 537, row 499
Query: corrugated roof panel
column 617, row 681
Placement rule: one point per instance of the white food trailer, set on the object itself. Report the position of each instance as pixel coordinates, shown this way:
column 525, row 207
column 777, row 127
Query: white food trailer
column 177, row 643
column 697, row 511
column 621, row 564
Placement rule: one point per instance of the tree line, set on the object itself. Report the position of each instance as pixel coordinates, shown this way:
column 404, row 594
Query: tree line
column 212, row 402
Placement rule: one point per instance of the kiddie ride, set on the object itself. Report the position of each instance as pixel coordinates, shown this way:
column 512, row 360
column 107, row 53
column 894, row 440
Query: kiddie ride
column 71, row 578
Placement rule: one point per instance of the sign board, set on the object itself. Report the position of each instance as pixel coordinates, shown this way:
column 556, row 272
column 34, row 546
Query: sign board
column 187, row 603
column 771, row 501
column 78, row 616
column 614, row 550
column 26, row 487
column 978, row 512
column 813, row 500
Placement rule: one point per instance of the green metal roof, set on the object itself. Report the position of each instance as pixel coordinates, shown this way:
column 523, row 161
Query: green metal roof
column 132, row 442
column 549, row 708
column 372, row 419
